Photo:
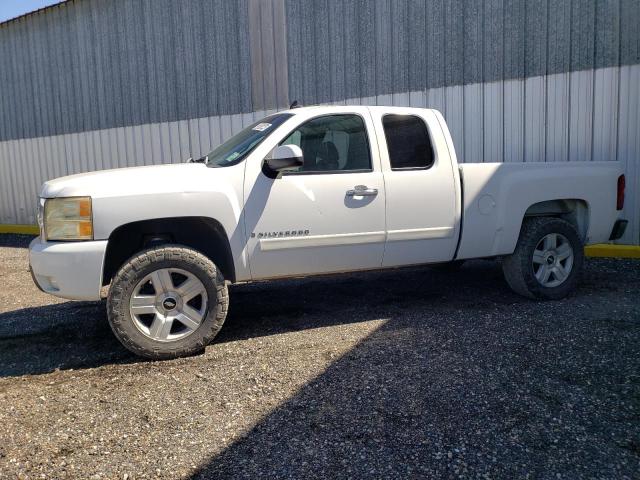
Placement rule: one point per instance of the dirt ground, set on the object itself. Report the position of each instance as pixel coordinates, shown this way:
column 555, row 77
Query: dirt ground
column 401, row 374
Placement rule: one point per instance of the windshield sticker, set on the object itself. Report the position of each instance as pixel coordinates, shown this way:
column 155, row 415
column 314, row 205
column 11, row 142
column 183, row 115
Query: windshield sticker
column 261, row 127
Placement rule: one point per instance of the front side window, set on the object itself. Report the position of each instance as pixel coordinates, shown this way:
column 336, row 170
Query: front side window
column 408, row 142
column 332, row 143
column 234, row 150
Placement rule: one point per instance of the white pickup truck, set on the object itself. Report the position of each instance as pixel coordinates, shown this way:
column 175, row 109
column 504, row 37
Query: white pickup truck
column 309, row 191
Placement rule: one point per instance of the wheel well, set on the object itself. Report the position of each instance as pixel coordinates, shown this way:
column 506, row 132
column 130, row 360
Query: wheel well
column 574, row 211
column 200, row 233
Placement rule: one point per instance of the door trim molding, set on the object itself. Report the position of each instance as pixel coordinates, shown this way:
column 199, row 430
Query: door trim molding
column 419, row 234
column 341, row 239
column 338, row 239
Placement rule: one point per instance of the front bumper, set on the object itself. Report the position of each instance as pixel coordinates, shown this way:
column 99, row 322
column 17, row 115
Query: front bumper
column 68, row 269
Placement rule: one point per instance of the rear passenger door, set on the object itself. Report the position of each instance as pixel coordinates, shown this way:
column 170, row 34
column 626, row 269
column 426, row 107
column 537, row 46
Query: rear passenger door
column 422, row 218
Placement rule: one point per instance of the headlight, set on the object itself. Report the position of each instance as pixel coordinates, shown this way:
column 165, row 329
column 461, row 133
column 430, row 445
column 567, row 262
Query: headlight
column 68, row 218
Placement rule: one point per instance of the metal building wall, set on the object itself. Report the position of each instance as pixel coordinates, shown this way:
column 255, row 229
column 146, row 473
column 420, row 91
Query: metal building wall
column 96, row 64
column 105, row 83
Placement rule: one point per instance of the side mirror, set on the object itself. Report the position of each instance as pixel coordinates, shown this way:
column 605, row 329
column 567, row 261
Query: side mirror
column 285, row 157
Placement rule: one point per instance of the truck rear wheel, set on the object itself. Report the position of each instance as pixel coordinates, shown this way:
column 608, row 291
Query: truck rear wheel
column 166, row 302
column 547, row 261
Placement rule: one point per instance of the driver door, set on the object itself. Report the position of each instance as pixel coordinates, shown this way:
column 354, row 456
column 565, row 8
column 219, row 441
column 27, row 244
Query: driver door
column 329, row 215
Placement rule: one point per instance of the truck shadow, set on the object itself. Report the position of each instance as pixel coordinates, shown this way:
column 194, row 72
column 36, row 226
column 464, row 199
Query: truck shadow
column 466, row 390
column 76, row 335
column 67, row 335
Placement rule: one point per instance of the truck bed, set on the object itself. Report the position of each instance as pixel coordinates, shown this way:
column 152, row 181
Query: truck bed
column 494, row 194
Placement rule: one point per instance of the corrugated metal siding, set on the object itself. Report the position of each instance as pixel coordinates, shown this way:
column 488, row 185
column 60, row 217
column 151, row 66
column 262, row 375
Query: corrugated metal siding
column 361, row 48
column 268, row 44
column 94, row 64
column 26, row 163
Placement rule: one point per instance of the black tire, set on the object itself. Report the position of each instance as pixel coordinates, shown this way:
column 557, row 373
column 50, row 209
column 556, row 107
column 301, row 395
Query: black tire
column 143, row 264
column 448, row 267
column 518, row 267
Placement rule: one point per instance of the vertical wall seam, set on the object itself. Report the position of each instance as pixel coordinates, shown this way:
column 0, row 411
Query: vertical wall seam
column 619, row 76
column 502, row 91
column 593, row 79
column 569, row 87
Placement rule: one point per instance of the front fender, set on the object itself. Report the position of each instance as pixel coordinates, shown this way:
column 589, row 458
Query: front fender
column 110, row 213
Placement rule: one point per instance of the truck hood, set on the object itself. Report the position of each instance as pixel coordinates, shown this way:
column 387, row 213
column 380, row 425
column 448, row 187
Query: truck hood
column 168, row 178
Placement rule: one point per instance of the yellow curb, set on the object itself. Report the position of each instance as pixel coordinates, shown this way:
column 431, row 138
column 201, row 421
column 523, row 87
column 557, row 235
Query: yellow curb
column 616, row 251
column 23, row 229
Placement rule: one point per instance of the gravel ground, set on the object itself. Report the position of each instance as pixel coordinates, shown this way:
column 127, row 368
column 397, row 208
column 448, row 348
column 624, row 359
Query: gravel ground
column 403, row 374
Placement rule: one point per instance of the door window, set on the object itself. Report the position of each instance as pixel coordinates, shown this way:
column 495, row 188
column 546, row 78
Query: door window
column 332, row 144
column 408, row 142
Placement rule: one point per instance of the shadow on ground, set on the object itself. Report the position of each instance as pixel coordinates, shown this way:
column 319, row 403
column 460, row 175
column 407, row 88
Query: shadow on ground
column 463, row 380
column 77, row 335
column 10, row 240
column 60, row 336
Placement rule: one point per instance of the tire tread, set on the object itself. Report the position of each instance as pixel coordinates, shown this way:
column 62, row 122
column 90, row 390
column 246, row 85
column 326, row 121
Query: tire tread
column 517, row 266
column 129, row 274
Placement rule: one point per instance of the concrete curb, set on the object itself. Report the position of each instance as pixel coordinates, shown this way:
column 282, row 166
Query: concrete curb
column 613, row 251
column 22, row 229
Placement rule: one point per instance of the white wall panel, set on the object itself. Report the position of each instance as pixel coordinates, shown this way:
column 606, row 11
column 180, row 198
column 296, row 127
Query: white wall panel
column 236, row 124
column 165, row 142
column 513, row 121
column 6, row 184
column 579, row 116
column 436, row 99
column 473, row 122
column 185, row 141
column 225, row 129
column 214, row 131
column 383, row 100
column 605, row 118
column 557, row 129
column 534, row 119
column 418, row 99
column 174, row 141
column 155, row 143
column 203, row 135
column 194, row 138
column 120, row 143
column 400, row 99
column 454, row 98
column 493, row 121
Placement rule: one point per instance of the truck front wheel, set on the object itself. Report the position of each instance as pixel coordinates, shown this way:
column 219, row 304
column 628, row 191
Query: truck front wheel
column 547, row 261
column 166, row 302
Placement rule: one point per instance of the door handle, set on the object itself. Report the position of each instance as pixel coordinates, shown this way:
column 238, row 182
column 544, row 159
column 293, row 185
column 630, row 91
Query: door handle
column 362, row 191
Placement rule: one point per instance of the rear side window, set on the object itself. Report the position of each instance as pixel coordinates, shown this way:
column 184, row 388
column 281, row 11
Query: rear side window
column 408, row 142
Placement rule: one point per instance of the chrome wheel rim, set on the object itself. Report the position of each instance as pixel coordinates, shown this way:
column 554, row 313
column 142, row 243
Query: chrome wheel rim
column 168, row 304
column 552, row 260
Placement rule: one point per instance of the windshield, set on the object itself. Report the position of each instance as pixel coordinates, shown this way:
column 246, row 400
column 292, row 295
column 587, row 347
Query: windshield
column 235, row 149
